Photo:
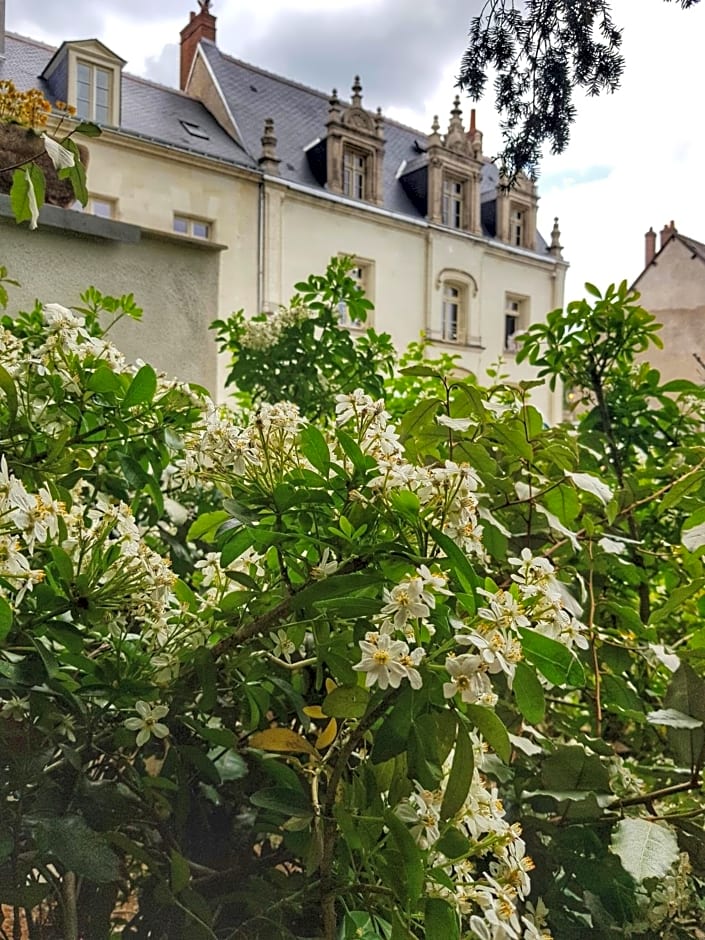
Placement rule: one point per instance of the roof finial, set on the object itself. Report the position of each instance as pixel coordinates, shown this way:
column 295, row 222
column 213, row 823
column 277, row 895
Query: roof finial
column 357, row 93
column 205, row 5
column 379, row 121
column 556, row 249
column 334, row 106
column 268, row 161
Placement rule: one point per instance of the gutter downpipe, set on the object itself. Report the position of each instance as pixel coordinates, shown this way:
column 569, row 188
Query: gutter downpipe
column 260, row 246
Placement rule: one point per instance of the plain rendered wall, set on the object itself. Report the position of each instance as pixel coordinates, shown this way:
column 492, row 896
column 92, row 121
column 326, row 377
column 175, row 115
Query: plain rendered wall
column 175, row 283
column 152, row 183
column 303, row 233
column 673, row 289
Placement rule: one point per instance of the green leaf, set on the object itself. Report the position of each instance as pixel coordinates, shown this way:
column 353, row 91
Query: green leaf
column 315, row 449
column 413, row 868
column 645, row 849
column 617, row 694
column 440, row 920
column 528, row 693
column 553, row 660
column 686, row 694
column 88, row 129
column 460, row 776
column 283, row 800
column 346, row 702
column 78, row 847
column 570, row 769
column 180, row 872
column 207, row 677
column 461, row 567
column 205, row 527
column 142, row 388
column 337, row 585
column 492, row 730
column 7, row 385
column 453, row 844
column 421, row 370
column 27, row 193
column 5, row 619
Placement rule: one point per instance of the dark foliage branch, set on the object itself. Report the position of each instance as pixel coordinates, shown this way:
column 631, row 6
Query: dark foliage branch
column 540, row 52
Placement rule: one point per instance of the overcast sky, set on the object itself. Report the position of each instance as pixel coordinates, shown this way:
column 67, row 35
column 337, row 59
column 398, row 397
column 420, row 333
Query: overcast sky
column 636, row 158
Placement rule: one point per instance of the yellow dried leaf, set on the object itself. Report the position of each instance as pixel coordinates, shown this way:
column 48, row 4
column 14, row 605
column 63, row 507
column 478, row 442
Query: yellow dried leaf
column 330, row 685
column 327, row 736
column 282, row 739
column 315, row 711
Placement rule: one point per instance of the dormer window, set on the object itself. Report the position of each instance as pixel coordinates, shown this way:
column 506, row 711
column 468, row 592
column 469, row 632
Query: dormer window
column 87, row 75
column 354, row 173
column 353, row 150
column 93, row 92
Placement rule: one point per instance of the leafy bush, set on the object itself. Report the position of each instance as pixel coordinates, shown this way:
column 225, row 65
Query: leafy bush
column 434, row 678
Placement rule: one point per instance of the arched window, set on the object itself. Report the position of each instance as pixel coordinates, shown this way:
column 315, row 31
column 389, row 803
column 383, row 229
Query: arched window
column 452, row 320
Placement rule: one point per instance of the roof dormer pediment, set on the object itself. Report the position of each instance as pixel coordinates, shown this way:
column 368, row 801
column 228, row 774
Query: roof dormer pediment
column 92, row 49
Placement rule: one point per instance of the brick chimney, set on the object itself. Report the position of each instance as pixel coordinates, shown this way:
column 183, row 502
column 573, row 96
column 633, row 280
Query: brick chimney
column 667, row 232
column 650, row 246
column 201, row 25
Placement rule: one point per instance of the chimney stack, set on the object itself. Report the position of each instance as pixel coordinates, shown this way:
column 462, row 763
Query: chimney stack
column 650, row 246
column 201, row 25
column 667, row 232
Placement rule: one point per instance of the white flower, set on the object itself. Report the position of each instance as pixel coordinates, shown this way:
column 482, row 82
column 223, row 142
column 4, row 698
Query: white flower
column 382, row 661
column 284, row 646
column 324, row 568
column 468, row 675
column 148, row 724
column 405, row 601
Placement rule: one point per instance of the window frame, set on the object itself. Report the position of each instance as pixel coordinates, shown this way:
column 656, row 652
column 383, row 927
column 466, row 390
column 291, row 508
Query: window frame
column 517, row 225
column 189, row 222
column 452, row 203
column 365, row 280
column 352, row 174
column 90, row 113
column 455, row 279
column 516, row 309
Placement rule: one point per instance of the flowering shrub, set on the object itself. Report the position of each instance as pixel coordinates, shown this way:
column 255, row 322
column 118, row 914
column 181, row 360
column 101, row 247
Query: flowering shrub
column 396, row 682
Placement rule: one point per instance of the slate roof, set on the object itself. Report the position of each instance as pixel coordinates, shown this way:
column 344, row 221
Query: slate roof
column 698, row 248
column 300, row 114
column 149, row 110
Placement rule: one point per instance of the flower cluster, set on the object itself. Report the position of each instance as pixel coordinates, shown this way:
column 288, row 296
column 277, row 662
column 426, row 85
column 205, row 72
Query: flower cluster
column 492, row 882
column 265, row 331
column 29, row 108
column 387, row 659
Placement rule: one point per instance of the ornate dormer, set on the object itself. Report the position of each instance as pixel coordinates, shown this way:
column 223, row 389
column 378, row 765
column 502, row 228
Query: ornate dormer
column 516, row 212
column 454, row 167
column 354, row 148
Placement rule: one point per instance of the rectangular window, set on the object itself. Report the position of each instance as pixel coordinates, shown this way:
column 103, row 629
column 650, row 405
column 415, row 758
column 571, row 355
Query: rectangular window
column 93, row 92
column 354, row 173
column 98, row 205
column 514, row 322
column 452, row 208
column 361, row 273
column 450, row 317
column 517, row 222
column 195, row 228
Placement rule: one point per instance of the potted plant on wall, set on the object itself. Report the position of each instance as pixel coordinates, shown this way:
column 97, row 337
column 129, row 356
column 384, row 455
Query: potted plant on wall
column 35, row 166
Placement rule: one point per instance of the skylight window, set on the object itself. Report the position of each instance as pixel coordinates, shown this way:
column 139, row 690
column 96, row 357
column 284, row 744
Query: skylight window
column 194, row 130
